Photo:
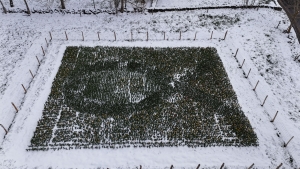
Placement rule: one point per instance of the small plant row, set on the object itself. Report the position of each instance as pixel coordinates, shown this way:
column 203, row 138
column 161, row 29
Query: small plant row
column 115, row 97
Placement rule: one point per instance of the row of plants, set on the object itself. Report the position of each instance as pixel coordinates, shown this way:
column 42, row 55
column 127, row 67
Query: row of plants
column 115, row 97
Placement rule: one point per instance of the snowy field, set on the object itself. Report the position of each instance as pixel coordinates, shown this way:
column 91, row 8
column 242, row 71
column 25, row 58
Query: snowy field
column 267, row 51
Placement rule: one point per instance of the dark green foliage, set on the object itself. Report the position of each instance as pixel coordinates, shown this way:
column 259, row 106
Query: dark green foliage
column 114, row 97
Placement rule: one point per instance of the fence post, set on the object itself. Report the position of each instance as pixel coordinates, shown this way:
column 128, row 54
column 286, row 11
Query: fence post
column 140, row 166
column 225, row 35
column 242, row 64
column 211, row 34
column 115, row 36
column 31, row 73
column 15, row 107
column 131, row 35
column 172, row 166
column 278, row 25
column 279, row 166
column 98, row 36
column 3, row 7
column 251, row 166
column 4, row 128
column 66, row 35
column 50, row 36
column 82, row 36
column 46, row 42
column 24, row 88
column 274, row 117
column 222, row 166
column 248, row 73
column 264, row 101
column 43, row 50
column 164, row 35
column 198, row 166
column 256, row 85
column 288, row 142
column 296, row 58
column 195, row 36
column 147, row 36
column 236, row 52
column 38, row 60
column 179, row 35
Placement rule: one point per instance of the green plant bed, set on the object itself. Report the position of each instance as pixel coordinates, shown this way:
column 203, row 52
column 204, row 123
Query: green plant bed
column 116, row 97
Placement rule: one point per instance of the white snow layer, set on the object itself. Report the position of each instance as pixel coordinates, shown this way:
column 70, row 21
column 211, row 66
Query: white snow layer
column 266, row 49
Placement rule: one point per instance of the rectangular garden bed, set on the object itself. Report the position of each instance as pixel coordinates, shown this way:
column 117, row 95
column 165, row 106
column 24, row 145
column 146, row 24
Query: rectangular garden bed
column 116, row 97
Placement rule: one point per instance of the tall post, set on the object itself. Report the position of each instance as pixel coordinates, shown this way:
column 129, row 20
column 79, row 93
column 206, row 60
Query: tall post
column 211, row 34
column 3, row 128
column 50, row 36
column 222, row 166
column 264, row 101
column 27, row 7
column 251, row 166
column 236, row 52
column 225, row 35
column 99, row 36
column 24, row 88
column 31, row 74
column 38, row 60
column 256, row 85
column 66, row 35
column 285, row 144
column 279, row 166
column 195, row 36
column 43, row 50
column 46, row 42
column 248, row 74
column 242, row 64
column 115, row 36
column 11, row 3
column 3, row 7
column 62, row 4
column 147, row 35
column 274, row 117
column 82, row 36
column 15, row 107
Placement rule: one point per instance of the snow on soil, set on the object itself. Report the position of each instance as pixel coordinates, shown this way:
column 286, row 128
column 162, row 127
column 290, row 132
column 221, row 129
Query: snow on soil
column 267, row 51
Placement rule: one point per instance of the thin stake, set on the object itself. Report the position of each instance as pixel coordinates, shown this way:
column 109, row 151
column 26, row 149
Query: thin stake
column 82, row 36
column 242, row 64
column 115, row 35
column 147, row 35
column 15, row 107
column 296, row 58
column 171, row 166
column 66, row 35
column 288, row 142
column 248, row 74
column 222, row 166
column 24, row 88
column 198, row 166
column 38, row 60
column 236, row 52
column 50, row 36
column 195, row 36
column 179, row 35
column 31, row 73
column 99, row 36
column 4, row 128
column 264, row 101
column 131, row 35
column 256, row 85
column 164, row 35
column 279, row 166
column 225, row 35
column 251, row 166
column 211, row 34
column 274, row 117
column 278, row 25
column 46, row 42
column 43, row 50
column 140, row 166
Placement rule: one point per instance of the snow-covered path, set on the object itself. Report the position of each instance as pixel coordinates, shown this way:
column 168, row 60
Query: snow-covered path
column 266, row 50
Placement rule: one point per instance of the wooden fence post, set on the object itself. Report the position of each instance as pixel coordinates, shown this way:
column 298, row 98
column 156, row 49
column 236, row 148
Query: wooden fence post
column 98, row 35
column 27, row 7
column 236, row 52
column 147, row 36
column 256, row 85
column 264, row 101
column 242, row 64
column 50, row 36
column 195, row 36
column 211, row 34
column 164, row 35
column 225, row 35
column 4, row 128
column 46, row 42
column 288, row 142
column 279, row 166
column 31, row 73
column 140, row 166
column 251, row 166
column 278, row 25
column 222, row 166
column 66, row 35
column 131, row 35
column 198, row 166
column 179, row 35
column 3, row 7
column 38, row 60
column 172, row 166
column 115, row 36
column 43, row 50
column 82, row 36
column 248, row 73
column 15, row 107
column 274, row 117
column 24, row 88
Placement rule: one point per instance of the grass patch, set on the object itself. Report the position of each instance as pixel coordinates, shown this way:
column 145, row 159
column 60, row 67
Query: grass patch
column 115, row 97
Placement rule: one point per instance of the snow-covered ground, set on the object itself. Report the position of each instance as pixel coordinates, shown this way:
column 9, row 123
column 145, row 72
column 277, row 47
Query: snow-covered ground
column 267, row 51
